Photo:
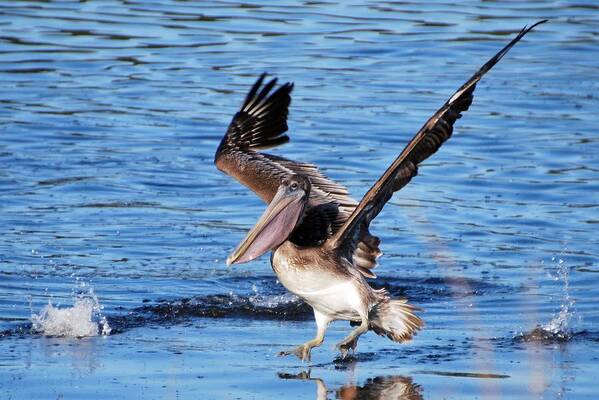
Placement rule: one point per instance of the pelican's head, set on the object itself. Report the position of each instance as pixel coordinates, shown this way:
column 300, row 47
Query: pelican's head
column 283, row 214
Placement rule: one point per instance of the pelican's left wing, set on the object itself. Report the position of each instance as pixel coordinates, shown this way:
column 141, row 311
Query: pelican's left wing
column 261, row 123
column 425, row 143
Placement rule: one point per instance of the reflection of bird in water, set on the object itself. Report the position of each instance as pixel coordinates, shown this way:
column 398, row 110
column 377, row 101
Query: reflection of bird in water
column 322, row 249
column 379, row 388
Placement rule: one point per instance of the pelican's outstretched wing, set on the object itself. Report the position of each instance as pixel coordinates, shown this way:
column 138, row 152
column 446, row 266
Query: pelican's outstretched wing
column 425, row 143
column 261, row 123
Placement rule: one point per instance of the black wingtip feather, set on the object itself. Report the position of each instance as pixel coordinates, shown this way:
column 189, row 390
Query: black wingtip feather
column 262, row 119
column 491, row 63
column 252, row 93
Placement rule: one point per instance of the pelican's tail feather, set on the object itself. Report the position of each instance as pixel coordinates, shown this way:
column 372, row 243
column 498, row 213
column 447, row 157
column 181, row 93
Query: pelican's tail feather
column 395, row 319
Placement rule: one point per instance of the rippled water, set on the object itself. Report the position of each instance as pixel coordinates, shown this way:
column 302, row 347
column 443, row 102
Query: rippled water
column 110, row 112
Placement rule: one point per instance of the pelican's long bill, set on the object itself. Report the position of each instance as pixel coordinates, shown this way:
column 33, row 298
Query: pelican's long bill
column 273, row 227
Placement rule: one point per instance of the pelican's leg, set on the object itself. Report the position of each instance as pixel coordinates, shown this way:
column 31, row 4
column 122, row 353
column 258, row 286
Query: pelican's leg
column 303, row 351
column 351, row 341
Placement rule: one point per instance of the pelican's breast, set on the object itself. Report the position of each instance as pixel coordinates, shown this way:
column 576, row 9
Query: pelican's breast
column 311, row 274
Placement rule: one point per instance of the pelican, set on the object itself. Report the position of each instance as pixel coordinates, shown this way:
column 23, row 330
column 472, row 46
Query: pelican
column 322, row 248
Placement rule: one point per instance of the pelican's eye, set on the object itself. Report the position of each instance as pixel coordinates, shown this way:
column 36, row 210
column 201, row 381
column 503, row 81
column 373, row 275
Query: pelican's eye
column 294, row 186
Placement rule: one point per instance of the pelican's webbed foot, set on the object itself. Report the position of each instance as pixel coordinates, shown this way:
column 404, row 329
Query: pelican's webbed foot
column 346, row 346
column 302, row 351
column 351, row 341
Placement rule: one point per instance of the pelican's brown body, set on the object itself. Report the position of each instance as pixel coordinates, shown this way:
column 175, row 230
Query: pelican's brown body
column 324, row 281
column 322, row 249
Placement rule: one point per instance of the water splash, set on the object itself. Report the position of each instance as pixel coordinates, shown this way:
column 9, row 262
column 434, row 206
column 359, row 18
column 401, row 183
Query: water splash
column 559, row 329
column 271, row 301
column 83, row 319
column 560, row 324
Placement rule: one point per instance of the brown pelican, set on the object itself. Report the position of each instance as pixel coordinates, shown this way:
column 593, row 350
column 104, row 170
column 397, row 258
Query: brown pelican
column 322, row 249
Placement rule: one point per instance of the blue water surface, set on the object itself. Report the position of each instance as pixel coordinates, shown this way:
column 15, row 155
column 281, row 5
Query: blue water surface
column 110, row 113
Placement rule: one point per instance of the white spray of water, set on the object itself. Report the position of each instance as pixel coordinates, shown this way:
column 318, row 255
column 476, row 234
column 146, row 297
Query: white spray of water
column 560, row 324
column 270, row 301
column 83, row 319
